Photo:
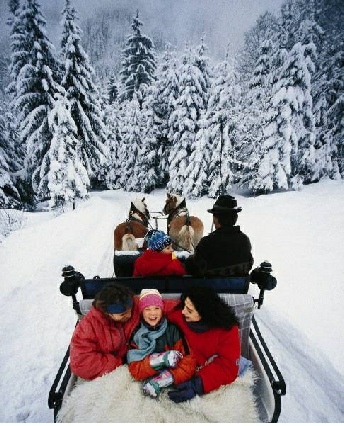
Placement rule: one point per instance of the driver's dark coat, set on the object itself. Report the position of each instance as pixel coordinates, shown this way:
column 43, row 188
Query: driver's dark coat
column 224, row 252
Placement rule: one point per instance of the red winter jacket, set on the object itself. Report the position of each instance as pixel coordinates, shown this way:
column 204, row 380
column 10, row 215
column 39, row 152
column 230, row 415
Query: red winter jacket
column 99, row 344
column 156, row 263
column 223, row 344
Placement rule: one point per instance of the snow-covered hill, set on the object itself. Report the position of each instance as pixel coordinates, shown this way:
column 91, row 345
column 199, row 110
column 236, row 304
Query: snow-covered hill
column 301, row 233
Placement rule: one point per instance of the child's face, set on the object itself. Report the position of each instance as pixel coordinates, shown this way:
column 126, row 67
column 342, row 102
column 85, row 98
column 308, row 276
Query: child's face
column 168, row 249
column 152, row 315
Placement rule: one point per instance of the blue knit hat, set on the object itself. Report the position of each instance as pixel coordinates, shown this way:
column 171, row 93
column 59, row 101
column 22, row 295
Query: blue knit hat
column 158, row 241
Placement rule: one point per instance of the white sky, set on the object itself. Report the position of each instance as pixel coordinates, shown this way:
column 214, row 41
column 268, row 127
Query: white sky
column 224, row 21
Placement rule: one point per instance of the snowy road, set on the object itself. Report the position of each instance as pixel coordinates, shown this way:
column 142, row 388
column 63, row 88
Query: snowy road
column 314, row 390
column 37, row 321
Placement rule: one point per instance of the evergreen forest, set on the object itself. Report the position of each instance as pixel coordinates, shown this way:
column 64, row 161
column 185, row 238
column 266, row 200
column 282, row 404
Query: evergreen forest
column 270, row 118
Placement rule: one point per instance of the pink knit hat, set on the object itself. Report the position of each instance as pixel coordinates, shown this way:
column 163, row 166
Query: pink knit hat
column 150, row 297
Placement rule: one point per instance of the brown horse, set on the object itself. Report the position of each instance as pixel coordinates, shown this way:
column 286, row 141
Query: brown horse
column 136, row 226
column 185, row 230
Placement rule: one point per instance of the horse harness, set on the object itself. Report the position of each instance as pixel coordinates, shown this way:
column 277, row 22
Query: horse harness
column 179, row 211
column 142, row 219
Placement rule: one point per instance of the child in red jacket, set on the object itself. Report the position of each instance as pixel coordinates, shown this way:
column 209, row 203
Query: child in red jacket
column 159, row 258
column 159, row 356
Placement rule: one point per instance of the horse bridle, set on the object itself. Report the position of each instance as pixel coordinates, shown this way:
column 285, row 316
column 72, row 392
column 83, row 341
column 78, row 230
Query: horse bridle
column 144, row 218
column 178, row 211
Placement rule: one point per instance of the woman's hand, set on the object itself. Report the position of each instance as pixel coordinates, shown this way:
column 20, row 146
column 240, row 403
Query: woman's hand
column 187, row 390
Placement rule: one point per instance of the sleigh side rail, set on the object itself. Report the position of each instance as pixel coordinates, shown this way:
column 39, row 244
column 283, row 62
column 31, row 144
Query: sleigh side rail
column 271, row 385
column 59, row 387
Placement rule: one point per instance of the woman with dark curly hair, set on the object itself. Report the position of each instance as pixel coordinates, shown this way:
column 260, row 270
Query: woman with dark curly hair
column 212, row 333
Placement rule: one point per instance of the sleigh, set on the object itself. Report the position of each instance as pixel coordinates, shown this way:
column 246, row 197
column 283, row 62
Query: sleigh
column 266, row 387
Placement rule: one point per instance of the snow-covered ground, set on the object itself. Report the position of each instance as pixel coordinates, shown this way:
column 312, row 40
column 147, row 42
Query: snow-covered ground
column 300, row 233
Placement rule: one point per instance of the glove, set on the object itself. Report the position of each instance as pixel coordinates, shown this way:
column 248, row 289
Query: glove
column 165, row 359
column 187, row 390
column 153, row 386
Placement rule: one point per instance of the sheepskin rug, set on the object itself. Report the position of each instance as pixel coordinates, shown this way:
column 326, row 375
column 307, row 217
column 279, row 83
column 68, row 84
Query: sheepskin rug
column 117, row 398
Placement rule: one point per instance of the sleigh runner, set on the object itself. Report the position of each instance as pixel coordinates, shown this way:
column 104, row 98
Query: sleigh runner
column 264, row 389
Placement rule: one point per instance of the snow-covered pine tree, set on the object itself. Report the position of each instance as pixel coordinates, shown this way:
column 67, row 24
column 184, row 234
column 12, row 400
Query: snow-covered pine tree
column 264, row 163
column 334, row 129
column 146, row 173
column 202, row 62
column 138, row 64
column 7, row 61
column 18, row 59
column 19, row 56
column 301, row 67
column 13, row 6
column 264, row 152
column 83, row 96
column 327, row 89
column 197, row 181
column 130, row 120
column 292, row 113
column 230, row 104
column 189, row 107
column 63, row 175
column 166, row 92
column 9, row 196
column 112, row 90
column 12, row 154
column 265, row 26
column 216, row 116
column 37, row 76
column 311, row 36
column 113, row 143
column 197, row 172
column 289, row 20
column 222, row 116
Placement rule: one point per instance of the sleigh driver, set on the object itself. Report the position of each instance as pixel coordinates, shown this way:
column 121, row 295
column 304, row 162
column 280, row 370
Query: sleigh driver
column 227, row 251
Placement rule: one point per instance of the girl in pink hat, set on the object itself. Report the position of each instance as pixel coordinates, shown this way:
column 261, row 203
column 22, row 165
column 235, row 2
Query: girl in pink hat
column 159, row 356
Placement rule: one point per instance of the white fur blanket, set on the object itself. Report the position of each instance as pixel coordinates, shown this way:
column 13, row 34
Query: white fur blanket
column 117, row 398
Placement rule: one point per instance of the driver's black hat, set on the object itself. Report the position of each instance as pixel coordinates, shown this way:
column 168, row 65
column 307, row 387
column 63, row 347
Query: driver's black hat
column 225, row 203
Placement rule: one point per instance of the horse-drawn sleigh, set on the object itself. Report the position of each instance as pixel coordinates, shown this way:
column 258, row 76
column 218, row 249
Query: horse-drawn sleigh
column 256, row 396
